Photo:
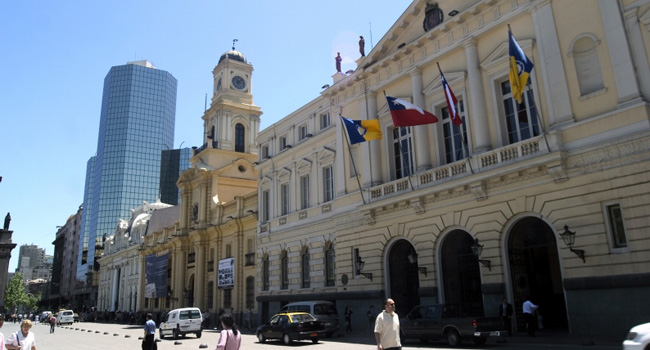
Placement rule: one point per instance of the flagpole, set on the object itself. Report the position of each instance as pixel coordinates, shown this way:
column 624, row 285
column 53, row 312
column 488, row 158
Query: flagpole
column 399, row 146
column 460, row 127
column 356, row 173
column 539, row 120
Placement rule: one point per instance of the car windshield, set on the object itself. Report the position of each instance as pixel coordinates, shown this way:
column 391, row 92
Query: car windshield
column 302, row 318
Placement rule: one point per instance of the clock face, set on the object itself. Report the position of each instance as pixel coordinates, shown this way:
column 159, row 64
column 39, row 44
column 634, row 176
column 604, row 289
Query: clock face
column 219, row 84
column 238, row 82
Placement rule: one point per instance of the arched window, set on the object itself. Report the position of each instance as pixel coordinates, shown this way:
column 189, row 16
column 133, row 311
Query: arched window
column 284, row 268
column 330, row 266
column 306, row 278
column 239, row 138
column 587, row 64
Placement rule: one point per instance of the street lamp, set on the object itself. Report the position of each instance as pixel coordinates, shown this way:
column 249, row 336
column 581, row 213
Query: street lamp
column 569, row 239
column 359, row 264
column 413, row 259
column 477, row 249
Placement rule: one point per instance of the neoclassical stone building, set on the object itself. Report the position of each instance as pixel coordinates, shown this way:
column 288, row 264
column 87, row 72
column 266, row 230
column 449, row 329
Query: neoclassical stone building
column 574, row 154
column 211, row 251
column 121, row 265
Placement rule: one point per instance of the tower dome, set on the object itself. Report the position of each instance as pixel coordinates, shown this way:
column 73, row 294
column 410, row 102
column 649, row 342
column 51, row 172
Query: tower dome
column 233, row 55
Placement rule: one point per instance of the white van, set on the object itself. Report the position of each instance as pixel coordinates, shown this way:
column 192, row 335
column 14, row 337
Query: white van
column 65, row 317
column 179, row 322
column 325, row 311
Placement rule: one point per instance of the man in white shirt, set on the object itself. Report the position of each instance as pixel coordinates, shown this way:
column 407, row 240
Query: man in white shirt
column 529, row 314
column 387, row 328
column 2, row 337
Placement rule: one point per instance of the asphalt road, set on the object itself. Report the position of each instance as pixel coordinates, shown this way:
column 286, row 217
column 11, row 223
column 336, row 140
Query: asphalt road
column 101, row 336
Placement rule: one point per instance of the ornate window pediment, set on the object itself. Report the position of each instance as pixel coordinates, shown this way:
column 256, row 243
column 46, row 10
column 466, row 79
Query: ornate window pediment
column 454, row 79
column 303, row 166
column 325, row 155
column 284, row 174
column 502, row 52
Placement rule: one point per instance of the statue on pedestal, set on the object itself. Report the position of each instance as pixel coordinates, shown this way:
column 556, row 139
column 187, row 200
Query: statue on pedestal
column 7, row 221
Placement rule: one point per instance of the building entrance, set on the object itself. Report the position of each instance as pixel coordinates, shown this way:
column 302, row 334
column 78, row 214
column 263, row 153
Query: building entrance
column 535, row 272
column 404, row 279
column 461, row 274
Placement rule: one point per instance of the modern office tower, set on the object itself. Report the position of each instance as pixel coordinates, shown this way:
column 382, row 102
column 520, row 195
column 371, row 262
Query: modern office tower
column 137, row 123
column 172, row 164
column 29, row 257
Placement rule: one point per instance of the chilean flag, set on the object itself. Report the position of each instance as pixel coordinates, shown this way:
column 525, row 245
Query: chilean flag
column 452, row 102
column 408, row 114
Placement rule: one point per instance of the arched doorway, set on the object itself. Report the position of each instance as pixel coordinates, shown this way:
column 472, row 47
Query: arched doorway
column 535, row 272
column 461, row 274
column 404, row 279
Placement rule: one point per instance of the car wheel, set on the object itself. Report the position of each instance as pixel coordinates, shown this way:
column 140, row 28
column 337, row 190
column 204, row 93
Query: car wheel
column 480, row 340
column 453, row 338
column 198, row 334
column 286, row 339
column 314, row 340
column 162, row 336
column 260, row 337
column 175, row 334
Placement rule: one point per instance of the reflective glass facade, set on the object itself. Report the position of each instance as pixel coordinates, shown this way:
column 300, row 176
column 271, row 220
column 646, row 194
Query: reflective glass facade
column 172, row 164
column 137, row 123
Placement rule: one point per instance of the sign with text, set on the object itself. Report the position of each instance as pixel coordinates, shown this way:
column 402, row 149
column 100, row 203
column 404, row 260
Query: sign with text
column 155, row 276
column 226, row 273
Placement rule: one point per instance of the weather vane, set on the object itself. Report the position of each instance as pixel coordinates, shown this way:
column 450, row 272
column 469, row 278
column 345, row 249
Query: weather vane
column 233, row 43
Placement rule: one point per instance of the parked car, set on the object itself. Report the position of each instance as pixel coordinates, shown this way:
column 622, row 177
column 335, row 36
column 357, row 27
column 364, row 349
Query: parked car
column 638, row 338
column 65, row 317
column 290, row 326
column 324, row 311
column 448, row 322
column 179, row 322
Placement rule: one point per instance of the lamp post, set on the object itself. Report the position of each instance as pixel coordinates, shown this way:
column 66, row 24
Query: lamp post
column 413, row 259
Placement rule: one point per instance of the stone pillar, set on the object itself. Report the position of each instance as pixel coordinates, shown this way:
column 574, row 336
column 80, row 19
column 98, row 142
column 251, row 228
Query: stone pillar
column 6, row 246
column 619, row 51
column 370, row 168
column 480, row 127
column 422, row 151
column 115, row 288
column 342, row 151
column 199, row 280
column 638, row 51
column 554, row 82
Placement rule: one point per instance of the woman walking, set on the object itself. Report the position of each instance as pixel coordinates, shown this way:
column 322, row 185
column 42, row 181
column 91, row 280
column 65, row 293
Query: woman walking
column 230, row 338
column 23, row 339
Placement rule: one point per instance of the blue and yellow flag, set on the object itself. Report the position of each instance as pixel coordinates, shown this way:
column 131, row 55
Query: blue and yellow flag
column 362, row 130
column 520, row 68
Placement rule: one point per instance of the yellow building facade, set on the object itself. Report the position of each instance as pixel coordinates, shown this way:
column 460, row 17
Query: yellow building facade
column 211, row 249
column 425, row 215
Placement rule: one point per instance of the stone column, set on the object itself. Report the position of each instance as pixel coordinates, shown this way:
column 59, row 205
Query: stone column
column 551, row 65
column 199, row 280
column 480, row 127
column 619, row 51
column 114, row 288
column 638, row 51
column 422, row 151
column 339, row 162
column 370, row 167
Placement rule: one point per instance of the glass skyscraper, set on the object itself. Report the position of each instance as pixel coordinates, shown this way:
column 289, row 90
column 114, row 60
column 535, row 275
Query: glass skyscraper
column 137, row 123
column 172, row 164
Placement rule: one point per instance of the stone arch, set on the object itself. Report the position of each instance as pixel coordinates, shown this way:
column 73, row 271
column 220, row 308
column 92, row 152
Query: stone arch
column 403, row 282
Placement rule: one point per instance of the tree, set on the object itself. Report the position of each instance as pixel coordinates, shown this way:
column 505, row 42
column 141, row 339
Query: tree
column 15, row 293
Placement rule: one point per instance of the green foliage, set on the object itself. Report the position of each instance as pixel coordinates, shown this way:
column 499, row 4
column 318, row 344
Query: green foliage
column 15, row 293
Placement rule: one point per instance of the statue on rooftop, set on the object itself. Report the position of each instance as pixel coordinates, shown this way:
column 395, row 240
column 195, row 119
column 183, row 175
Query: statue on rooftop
column 7, row 221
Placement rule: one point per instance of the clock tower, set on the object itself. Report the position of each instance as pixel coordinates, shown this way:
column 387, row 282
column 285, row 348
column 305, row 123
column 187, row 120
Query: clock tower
column 232, row 121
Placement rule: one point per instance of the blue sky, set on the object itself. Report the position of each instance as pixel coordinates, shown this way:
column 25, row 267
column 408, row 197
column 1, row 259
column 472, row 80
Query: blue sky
column 54, row 56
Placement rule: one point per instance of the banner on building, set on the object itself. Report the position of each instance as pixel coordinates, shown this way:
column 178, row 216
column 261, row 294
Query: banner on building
column 155, row 276
column 226, row 273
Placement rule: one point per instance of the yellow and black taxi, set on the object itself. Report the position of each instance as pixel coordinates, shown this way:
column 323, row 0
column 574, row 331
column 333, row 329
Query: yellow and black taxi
column 290, row 326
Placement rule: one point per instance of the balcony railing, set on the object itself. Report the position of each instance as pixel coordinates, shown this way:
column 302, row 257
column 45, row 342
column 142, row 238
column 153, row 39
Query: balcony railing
column 250, row 259
column 466, row 167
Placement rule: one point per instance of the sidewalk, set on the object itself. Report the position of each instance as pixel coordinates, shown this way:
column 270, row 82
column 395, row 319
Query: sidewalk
column 550, row 338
